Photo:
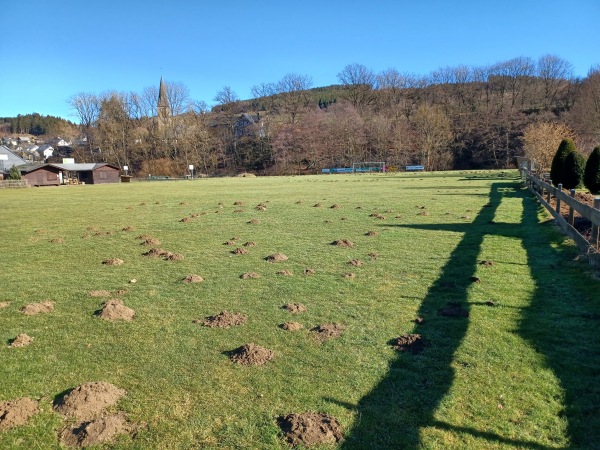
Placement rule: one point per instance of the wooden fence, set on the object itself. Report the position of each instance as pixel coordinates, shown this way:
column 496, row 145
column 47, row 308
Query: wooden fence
column 8, row 184
column 545, row 191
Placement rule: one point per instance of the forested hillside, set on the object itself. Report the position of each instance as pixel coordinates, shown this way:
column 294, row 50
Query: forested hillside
column 455, row 117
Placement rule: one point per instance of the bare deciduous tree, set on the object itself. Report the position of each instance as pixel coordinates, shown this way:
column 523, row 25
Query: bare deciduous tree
column 541, row 140
column 359, row 82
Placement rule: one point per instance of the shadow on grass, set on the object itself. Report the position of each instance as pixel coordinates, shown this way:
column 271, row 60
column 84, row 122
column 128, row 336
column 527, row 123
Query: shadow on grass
column 405, row 401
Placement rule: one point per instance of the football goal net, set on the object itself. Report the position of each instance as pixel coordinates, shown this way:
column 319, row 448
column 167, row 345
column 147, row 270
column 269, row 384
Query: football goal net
column 360, row 167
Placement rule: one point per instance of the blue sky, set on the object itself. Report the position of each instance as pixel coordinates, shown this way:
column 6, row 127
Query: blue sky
column 53, row 50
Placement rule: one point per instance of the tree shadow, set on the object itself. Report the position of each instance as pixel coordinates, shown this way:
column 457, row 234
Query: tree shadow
column 405, row 401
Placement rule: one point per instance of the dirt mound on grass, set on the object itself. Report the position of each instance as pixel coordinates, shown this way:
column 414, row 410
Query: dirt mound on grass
column 174, row 257
column 343, row 243
column 295, row 308
column 349, row 275
column 371, row 233
column 253, row 221
column 37, row 308
column 4, row 304
column 249, row 275
column 113, row 262
column 58, row 240
column 89, row 400
column 413, row 343
column 114, row 309
column 128, row 228
column 155, row 252
column 99, row 293
column 98, row 431
column 22, row 340
column 193, row 279
column 144, row 237
column 373, row 255
column 17, row 412
column 224, row 319
column 453, row 309
column 285, row 273
column 309, row 271
column 335, row 206
column 355, row 262
column 486, row 262
column 251, row 355
column 292, row 326
column 310, row 429
column 250, row 244
column 229, row 243
column 377, row 216
column 276, row 257
column 185, row 219
column 240, row 251
column 151, row 241
column 327, row 331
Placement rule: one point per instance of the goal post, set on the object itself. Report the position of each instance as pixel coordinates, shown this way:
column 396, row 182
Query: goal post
column 368, row 167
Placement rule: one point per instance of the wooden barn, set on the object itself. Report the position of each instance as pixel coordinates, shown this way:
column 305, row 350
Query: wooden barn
column 90, row 173
column 40, row 174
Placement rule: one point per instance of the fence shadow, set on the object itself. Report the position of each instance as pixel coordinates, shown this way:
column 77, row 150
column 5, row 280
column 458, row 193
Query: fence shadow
column 562, row 323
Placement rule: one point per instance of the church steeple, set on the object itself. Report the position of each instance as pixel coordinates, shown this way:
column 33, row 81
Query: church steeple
column 163, row 109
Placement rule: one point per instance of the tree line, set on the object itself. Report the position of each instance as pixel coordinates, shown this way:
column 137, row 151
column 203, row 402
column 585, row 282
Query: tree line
column 455, row 117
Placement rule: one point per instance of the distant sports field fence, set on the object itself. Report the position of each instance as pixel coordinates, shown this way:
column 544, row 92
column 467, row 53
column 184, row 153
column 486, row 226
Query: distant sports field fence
column 545, row 193
column 8, row 184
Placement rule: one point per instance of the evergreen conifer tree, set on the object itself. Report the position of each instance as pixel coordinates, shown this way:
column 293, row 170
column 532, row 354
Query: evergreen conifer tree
column 591, row 176
column 573, row 169
column 556, row 169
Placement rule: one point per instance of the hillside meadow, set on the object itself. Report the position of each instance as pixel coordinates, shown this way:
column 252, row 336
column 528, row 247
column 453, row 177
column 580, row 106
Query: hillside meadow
column 505, row 310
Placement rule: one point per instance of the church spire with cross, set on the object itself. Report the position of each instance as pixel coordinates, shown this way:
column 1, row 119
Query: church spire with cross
column 163, row 109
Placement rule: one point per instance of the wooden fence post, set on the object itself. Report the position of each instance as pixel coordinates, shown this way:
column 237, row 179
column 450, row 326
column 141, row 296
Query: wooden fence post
column 571, row 210
column 549, row 191
column 595, row 227
column 559, row 188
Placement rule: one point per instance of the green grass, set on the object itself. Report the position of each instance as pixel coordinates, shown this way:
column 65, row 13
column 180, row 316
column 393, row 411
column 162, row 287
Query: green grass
column 523, row 374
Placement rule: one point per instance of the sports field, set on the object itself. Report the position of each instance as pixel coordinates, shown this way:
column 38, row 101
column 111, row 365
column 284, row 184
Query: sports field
column 405, row 311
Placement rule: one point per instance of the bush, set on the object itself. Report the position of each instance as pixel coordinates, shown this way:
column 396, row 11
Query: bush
column 14, row 173
column 591, row 176
column 573, row 169
column 556, row 170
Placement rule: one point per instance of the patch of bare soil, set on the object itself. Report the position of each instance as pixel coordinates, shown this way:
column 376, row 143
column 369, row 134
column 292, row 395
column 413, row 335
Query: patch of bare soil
column 194, row 215
column 377, row 216
column 224, row 319
column 238, row 211
column 412, row 343
column 128, row 228
column 4, row 304
column 251, row 355
column 238, row 203
column 250, row 244
column 99, row 293
column 285, row 273
column 335, row 206
column 193, row 279
column 89, row 400
column 423, row 213
column 113, row 262
column 310, row 429
column 371, row 233
column 349, row 275
column 355, row 262
column 253, row 221
column 240, row 251
column 174, row 257
column 230, row 243
column 58, row 240
column 276, row 257
column 318, row 205
column 343, row 243
column 17, row 412
column 475, row 280
column 292, row 326
column 249, row 275
column 486, row 262
column 114, row 309
column 581, row 224
column 144, row 237
column 309, row 271
column 37, row 308
column 22, row 340
column 453, row 309
column 294, row 308
column 419, row 321
column 151, row 241
column 327, row 331
column 121, row 291
column 373, row 255
column 261, row 208
column 102, row 430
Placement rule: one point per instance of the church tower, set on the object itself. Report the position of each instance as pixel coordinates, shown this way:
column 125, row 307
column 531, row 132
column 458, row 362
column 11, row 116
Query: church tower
column 162, row 108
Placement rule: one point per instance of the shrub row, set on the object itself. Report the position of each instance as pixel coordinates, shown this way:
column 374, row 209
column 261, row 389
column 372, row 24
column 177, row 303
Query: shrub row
column 570, row 168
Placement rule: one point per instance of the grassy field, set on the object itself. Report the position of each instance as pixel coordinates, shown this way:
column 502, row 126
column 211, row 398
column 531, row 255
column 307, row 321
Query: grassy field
column 522, row 373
